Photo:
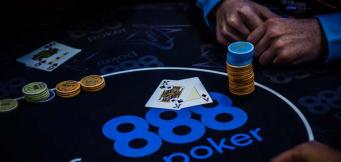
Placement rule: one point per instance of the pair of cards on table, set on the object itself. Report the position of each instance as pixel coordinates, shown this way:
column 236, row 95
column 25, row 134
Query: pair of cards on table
column 178, row 94
column 49, row 56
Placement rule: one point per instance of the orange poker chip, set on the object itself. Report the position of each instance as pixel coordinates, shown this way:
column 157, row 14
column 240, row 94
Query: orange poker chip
column 69, row 95
column 67, row 89
column 92, row 83
column 240, row 79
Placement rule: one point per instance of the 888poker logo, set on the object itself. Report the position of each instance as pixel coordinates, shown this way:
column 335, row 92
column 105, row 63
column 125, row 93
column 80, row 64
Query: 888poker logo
column 155, row 140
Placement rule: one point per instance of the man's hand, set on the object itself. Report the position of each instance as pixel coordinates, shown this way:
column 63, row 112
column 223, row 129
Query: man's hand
column 282, row 41
column 237, row 18
column 309, row 152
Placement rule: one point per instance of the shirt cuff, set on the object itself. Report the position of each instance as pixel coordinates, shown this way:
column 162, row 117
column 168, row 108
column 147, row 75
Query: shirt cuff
column 207, row 6
column 331, row 26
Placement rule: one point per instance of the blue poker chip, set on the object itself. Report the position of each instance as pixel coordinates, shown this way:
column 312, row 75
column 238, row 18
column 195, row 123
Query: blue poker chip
column 240, row 53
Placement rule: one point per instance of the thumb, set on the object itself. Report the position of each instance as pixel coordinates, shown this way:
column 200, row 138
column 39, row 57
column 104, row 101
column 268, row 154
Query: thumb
column 292, row 155
column 297, row 154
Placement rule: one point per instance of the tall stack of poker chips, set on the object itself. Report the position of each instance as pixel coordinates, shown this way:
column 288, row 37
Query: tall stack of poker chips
column 68, row 89
column 239, row 68
column 92, row 83
column 36, row 92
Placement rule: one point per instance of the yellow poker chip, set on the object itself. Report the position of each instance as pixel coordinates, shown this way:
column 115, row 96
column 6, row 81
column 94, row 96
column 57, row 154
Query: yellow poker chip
column 34, row 88
column 7, row 105
column 35, row 92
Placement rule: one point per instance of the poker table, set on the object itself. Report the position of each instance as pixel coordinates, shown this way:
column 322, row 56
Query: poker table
column 134, row 47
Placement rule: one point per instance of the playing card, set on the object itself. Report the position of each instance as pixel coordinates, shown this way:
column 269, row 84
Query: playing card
column 175, row 95
column 49, row 56
column 169, row 94
column 198, row 94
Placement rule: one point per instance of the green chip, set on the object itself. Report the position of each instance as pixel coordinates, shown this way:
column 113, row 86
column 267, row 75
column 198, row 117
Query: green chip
column 36, row 100
column 7, row 105
column 34, row 88
column 36, row 92
column 38, row 97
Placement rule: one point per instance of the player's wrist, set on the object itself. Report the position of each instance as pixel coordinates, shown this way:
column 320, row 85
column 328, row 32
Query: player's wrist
column 322, row 47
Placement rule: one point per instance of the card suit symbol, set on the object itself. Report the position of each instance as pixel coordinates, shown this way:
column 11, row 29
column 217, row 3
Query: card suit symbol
column 206, row 99
column 203, row 95
column 177, row 106
column 162, row 87
column 37, row 64
column 169, row 87
column 173, row 100
column 180, row 101
column 165, row 83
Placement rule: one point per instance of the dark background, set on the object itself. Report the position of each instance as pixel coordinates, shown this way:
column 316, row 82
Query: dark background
column 27, row 25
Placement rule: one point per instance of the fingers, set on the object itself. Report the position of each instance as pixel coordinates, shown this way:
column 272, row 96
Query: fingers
column 296, row 154
column 257, row 34
column 284, row 57
column 291, row 155
column 279, row 52
column 220, row 37
column 230, row 33
column 225, row 34
column 262, row 45
column 299, row 61
column 267, row 56
column 266, row 13
column 251, row 19
column 236, row 23
column 258, row 38
column 309, row 151
column 287, row 54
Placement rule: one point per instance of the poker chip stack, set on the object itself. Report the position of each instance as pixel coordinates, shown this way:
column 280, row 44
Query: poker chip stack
column 68, row 89
column 36, row 92
column 92, row 83
column 239, row 68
